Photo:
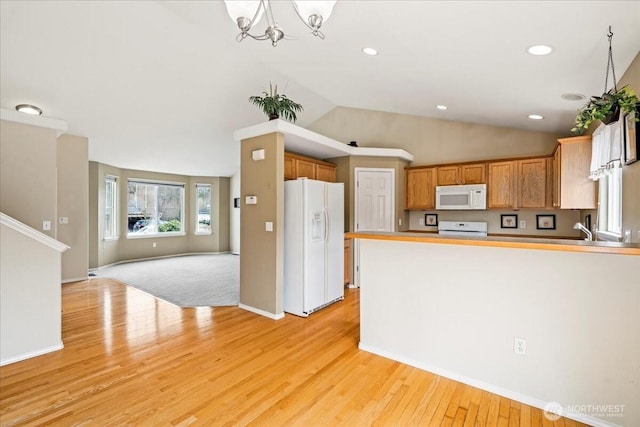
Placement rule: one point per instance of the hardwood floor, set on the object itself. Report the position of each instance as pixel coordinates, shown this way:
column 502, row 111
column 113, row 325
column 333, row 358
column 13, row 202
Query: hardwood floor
column 131, row 359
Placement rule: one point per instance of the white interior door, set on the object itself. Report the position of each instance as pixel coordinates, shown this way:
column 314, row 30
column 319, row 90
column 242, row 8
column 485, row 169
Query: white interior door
column 374, row 199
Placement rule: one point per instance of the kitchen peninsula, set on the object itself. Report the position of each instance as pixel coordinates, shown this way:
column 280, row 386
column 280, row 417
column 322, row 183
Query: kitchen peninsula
column 454, row 306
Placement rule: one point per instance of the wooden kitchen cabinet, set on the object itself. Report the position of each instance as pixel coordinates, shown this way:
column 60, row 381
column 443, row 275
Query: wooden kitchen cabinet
column 473, row 173
column 297, row 166
column 420, row 188
column 501, row 185
column 325, row 172
column 532, row 183
column 347, row 261
column 572, row 188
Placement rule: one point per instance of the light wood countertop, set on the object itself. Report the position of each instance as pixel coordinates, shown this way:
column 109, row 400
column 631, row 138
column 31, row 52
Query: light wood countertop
column 505, row 242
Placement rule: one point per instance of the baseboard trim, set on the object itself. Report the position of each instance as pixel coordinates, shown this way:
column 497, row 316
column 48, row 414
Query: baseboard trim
column 126, row 261
column 77, row 279
column 262, row 312
column 30, row 354
column 510, row 394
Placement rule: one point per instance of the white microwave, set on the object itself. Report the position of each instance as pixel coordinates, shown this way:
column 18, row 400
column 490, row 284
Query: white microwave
column 461, row 197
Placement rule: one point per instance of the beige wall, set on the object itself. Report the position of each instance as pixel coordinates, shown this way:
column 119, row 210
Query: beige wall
column 105, row 252
column 261, row 258
column 73, row 203
column 30, row 298
column 28, row 175
column 431, row 140
column 582, row 328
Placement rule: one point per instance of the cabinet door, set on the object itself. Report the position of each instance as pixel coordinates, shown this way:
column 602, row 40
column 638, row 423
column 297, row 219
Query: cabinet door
column 532, row 183
column 325, row 173
column 420, row 188
column 449, row 175
column 556, row 177
column 577, row 191
column 501, row 185
column 289, row 167
column 474, row 173
column 305, row 169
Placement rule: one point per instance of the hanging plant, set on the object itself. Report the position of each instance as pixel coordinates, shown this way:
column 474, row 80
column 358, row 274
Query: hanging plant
column 276, row 105
column 606, row 108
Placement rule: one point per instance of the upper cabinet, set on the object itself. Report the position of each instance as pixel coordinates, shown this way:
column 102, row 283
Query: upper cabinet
column 296, row 166
column 420, row 188
column 501, row 192
column 532, row 183
column 572, row 188
column 472, row 173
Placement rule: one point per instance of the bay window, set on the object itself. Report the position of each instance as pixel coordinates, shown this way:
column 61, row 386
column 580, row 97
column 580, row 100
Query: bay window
column 155, row 208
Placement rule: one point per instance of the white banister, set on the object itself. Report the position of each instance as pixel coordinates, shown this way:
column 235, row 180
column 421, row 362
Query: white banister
column 16, row 225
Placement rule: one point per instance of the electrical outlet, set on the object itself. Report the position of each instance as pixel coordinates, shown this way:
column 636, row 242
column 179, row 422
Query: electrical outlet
column 523, row 223
column 154, row 244
column 519, row 346
column 421, row 221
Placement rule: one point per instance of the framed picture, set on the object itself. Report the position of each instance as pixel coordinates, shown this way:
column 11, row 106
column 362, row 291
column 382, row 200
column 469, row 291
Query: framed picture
column 430, row 219
column 631, row 137
column 508, row 221
column 545, row 222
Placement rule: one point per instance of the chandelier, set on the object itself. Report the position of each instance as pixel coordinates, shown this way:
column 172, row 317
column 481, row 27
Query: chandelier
column 247, row 13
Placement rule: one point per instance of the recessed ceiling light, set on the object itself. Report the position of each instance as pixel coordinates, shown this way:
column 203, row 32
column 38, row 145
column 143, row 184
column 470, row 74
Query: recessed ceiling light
column 572, row 96
column 29, row 109
column 441, row 107
column 370, row 51
column 536, row 117
column 540, row 49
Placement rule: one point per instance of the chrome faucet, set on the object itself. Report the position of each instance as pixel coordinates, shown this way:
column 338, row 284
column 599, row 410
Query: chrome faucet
column 579, row 226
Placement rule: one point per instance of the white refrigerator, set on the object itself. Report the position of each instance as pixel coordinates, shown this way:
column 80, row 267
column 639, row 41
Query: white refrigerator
column 313, row 245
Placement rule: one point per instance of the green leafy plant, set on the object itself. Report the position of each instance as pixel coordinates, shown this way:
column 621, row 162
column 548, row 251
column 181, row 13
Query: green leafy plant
column 605, row 108
column 276, row 105
column 173, row 225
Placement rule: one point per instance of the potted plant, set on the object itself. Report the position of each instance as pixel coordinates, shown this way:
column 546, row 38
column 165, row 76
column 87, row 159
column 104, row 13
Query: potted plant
column 276, row 105
column 606, row 108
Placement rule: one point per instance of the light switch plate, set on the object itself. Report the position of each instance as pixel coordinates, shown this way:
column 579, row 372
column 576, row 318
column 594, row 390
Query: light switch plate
column 63, row 220
column 523, row 223
column 268, row 226
column 46, row 225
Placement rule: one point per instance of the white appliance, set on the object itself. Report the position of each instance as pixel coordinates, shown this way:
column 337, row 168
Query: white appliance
column 463, row 228
column 313, row 245
column 461, row 197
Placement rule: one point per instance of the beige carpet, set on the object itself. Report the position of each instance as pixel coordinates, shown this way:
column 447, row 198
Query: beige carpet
column 186, row 281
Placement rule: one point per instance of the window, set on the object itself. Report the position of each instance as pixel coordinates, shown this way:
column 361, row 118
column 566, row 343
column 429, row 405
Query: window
column 610, row 205
column 155, row 208
column 203, row 209
column 110, row 207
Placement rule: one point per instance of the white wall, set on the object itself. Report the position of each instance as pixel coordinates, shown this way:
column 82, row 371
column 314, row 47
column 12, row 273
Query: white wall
column 30, row 300
column 455, row 309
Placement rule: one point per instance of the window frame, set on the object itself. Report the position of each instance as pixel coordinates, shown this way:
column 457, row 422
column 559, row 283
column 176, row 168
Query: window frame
column 610, row 206
column 111, row 181
column 197, row 210
column 158, row 234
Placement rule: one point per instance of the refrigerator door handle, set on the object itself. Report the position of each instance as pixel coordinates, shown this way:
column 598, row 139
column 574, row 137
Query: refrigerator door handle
column 326, row 225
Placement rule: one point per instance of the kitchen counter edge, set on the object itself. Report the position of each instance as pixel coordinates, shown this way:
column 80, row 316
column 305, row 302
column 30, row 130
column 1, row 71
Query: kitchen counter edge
column 505, row 242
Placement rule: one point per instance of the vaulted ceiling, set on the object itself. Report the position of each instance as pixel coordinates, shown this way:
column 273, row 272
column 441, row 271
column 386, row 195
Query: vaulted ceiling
column 162, row 85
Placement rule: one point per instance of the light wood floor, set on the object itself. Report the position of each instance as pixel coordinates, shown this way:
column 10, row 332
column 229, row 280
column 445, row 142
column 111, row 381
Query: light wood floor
column 131, row 359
